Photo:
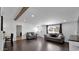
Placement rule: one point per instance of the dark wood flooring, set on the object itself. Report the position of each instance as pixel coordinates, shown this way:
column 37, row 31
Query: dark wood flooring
column 36, row 45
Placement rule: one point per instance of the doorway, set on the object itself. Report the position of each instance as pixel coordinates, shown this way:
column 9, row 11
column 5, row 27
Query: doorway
column 18, row 32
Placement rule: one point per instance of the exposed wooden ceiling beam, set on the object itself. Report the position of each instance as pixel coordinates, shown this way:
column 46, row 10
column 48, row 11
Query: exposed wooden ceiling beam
column 21, row 12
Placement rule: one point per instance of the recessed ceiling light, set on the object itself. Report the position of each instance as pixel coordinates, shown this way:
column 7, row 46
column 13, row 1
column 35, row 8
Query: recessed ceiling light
column 64, row 20
column 33, row 15
column 24, row 20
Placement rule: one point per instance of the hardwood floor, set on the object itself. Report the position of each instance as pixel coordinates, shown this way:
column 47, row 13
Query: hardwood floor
column 36, row 45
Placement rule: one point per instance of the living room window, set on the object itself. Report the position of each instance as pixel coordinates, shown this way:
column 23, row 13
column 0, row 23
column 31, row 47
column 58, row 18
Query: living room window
column 53, row 29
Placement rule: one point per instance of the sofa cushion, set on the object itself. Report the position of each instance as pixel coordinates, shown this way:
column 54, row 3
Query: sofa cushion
column 60, row 36
column 53, row 35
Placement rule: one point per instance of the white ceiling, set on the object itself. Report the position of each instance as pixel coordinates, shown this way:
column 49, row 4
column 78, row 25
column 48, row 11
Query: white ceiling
column 9, row 13
column 42, row 15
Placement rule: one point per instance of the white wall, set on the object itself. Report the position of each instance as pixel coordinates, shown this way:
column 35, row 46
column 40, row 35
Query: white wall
column 27, row 28
column 69, row 29
column 2, row 41
column 42, row 31
column 0, row 23
column 1, row 35
column 78, row 26
column 10, row 27
column 0, row 18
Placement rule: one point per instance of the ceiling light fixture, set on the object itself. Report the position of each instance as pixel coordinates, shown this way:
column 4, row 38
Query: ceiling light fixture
column 65, row 21
column 24, row 20
column 33, row 15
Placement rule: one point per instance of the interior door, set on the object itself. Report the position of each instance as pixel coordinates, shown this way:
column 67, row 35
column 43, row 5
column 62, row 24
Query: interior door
column 19, row 30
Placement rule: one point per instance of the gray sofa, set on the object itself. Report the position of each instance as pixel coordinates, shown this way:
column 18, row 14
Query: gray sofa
column 31, row 35
column 55, row 37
